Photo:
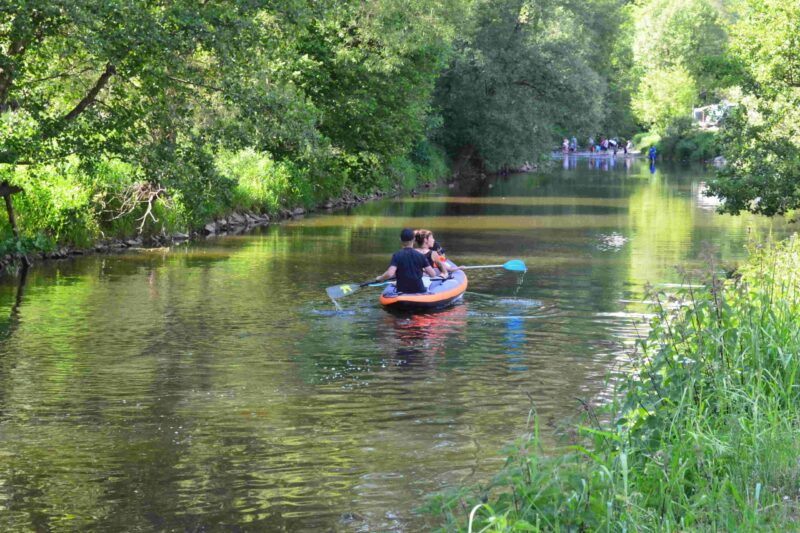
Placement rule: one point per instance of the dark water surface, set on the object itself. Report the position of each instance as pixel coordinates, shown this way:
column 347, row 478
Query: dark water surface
column 213, row 387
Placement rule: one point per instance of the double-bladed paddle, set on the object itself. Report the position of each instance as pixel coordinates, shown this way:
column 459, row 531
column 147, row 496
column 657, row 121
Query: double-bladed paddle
column 515, row 265
column 346, row 289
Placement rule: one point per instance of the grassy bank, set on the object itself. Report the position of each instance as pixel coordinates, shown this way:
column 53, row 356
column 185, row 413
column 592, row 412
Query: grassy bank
column 75, row 203
column 701, row 434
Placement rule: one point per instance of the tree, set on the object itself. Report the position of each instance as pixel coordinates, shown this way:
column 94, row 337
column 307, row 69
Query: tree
column 678, row 45
column 664, row 95
column 370, row 70
column 761, row 139
column 516, row 80
column 158, row 84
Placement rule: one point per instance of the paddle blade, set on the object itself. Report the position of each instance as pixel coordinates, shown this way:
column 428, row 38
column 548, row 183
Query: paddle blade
column 345, row 289
column 515, row 265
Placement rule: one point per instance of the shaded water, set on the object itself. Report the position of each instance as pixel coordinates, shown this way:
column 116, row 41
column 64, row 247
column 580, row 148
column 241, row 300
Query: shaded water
column 213, row 386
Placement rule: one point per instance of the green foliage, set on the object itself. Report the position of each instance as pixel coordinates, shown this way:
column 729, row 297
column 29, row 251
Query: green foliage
column 681, row 58
column 430, row 162
column 681, row 33
column 683, row 141
column 331, row 96
column 663, row 96
column 700, row 434
column 25, row 245
column 261, row 184
column 516, row 80
column 55, row 202
column 643, row 141
column 762, row 139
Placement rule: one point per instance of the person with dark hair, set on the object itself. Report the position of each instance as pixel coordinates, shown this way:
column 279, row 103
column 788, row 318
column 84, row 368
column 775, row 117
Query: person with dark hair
column 433, row 252
column 408, row 265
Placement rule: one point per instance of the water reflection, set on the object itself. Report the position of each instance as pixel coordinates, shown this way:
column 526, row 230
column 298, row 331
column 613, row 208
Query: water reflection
column 423, row 338
column 515, row 342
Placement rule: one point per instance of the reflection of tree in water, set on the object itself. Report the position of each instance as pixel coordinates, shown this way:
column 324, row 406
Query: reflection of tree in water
column 13, row 318
column 7, row 331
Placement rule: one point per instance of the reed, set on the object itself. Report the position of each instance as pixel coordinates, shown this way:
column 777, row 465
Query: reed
column 702, row 433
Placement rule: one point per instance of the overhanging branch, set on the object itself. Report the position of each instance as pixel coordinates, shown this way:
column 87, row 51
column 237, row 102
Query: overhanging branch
column 92, row 94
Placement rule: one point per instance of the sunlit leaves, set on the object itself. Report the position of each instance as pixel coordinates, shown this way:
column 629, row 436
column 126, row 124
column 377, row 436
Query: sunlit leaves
column 663, row 95
column 762, row 140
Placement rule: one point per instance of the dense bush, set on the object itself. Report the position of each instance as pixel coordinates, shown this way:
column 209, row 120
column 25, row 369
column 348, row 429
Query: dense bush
column 56, row 203
column 683, row 141
column 262, row 184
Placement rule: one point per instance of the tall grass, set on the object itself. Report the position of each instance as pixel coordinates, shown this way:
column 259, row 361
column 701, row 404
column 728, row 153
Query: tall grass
column 262, row 184
column 702, row 433
column 56, row 202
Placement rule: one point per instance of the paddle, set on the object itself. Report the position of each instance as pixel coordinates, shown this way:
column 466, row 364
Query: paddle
column 346, row 289
column 515, row 265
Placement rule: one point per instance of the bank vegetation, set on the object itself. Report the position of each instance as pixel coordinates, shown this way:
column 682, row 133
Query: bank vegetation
column 701, row 434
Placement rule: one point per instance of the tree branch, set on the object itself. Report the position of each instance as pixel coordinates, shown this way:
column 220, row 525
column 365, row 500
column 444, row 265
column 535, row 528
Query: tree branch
column 61, row 75
column 526, row 83
column 195, row 84
column 92, row 94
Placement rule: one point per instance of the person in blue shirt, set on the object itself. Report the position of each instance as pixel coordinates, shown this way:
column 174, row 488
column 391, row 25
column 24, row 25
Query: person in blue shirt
column 408, row 265
column 652, row 153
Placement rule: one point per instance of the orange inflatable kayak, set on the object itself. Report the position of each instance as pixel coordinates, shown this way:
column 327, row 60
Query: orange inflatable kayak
column 440, row 294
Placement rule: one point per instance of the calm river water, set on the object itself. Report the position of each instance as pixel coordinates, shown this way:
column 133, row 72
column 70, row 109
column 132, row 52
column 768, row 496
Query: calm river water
column 213, row 387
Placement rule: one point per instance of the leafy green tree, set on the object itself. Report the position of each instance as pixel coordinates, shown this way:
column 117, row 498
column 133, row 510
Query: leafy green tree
column 516, row 80
column 370, row 70
column 604, row 33
column 130, row 79
column 664, row 95
column 680, row 57
column 762, row 137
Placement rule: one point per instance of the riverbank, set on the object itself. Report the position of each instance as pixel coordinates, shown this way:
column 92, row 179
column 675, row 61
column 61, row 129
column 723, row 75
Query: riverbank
column 263, row 204
column 234, row 222
column 700, row 434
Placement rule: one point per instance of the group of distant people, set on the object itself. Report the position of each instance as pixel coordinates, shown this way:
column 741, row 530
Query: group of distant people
column 420, row 255
column 605, row 145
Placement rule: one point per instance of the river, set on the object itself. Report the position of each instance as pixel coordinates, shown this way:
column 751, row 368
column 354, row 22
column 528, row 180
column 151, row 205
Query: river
column 213, row 386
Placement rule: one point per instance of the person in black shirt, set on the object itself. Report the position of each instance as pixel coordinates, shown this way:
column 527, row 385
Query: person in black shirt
column 407, row 266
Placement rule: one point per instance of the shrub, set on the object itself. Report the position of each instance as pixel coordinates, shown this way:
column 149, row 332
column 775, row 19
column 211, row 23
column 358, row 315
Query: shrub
column 55, row 202
column 262, row 184
column 684, row 141
column 643, row 141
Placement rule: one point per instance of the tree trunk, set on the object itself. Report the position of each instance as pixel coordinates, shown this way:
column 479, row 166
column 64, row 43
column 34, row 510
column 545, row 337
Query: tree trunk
column 11, row 218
